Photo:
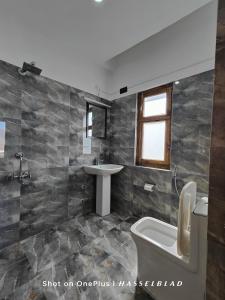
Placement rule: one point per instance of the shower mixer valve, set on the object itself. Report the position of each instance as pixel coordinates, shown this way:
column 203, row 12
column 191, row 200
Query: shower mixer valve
column 22, row 174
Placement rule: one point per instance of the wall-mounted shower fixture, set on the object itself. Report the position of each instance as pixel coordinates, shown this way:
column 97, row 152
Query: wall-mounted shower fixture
column 22, row 175
column 175, row 181
column 29, row 68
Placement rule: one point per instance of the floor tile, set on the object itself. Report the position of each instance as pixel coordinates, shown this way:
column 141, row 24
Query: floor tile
column 84, row 249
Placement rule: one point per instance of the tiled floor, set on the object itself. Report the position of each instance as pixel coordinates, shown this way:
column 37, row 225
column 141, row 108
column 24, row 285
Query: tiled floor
column 84, row 249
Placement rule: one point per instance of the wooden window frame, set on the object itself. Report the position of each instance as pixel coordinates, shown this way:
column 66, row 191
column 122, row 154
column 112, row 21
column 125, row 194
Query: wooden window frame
column 165, row 164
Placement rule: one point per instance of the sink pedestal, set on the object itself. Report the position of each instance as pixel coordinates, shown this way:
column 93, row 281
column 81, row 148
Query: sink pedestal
column 103, row 193
column 103, row 196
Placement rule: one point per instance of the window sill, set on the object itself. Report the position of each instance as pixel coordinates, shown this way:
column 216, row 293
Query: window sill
column 153, row 168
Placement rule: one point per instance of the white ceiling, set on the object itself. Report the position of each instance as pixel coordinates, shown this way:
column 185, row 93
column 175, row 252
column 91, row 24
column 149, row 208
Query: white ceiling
column 84, row 29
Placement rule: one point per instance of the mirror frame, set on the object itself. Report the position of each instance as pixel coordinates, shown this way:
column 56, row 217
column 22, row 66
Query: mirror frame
column 87, row 110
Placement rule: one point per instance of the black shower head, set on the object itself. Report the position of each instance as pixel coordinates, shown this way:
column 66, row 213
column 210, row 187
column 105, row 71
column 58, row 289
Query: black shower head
column 31, row 68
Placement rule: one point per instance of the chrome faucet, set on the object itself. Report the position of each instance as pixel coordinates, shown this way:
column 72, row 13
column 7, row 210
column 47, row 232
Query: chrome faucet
column 22, row 175
column 99, row 159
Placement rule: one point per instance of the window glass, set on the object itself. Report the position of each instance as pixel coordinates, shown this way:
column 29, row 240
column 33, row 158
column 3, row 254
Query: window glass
column 153, row 147
column 155, row 105
column 89, row 118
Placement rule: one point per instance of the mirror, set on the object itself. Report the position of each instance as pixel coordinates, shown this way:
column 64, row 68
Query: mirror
column 96, row 121
column 2, row 139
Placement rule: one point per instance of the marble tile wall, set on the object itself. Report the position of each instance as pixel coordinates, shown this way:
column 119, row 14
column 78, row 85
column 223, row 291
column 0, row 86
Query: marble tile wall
column 191, row 127
column 216, row 225
column 45, row 120
column 122, row 130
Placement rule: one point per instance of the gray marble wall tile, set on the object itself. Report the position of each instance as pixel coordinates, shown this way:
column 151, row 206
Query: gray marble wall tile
column 191, row 123
column 48, row 126
column 58, row 93
column 75, row 206
column 160, row 178
column 9, row 212
column 81, row 191
column 191, row 129
column 45, row 120
column 57, row 123
column 201, row 180
column 89, row 206
column 129, row 196
column 9, row 235
column 12, row 143
column 13, row 132
column 35, row 156
column 122, row 206
column 78, row 130
column 190, row 152
column 33, row 132
column 123, row 156
column 154, row 203
column 81, row 183
column 8, row 189
column 33, row 212
column 57, row 156
column 34, row 106
column 98, row 121
column 44, row 201
column 10, row 91
column 122, row 185
column 122, row 130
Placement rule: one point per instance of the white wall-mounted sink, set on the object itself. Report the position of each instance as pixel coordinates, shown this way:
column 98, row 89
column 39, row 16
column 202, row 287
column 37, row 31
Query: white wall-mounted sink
column 103, row 170
column 103, row 197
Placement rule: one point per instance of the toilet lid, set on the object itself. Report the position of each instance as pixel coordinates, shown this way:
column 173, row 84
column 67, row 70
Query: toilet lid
column 187, row 203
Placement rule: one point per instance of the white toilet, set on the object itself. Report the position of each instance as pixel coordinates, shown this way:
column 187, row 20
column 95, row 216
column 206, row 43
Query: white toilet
column 172, row 260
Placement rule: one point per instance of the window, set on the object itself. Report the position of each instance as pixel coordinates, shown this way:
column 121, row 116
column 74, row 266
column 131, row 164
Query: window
column 154, row 127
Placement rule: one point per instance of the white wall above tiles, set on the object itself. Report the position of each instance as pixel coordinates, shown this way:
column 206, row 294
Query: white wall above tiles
column 181, row 50
column 80, row 43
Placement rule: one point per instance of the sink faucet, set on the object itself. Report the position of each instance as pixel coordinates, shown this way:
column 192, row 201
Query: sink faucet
column 99, row 159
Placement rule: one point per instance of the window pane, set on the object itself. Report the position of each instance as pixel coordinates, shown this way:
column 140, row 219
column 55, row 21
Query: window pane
column 90, row 119
column 153, row 147
column 89, row 133
column 155, row 105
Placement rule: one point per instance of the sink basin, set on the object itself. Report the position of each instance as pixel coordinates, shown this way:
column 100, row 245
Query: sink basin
column 103, row 170
column 103, row 185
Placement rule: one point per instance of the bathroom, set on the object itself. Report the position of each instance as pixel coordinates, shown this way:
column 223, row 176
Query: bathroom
column 77, row 191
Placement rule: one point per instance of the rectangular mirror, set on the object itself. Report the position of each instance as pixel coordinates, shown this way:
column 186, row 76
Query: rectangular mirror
column 96, row 121
column 2, row 139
